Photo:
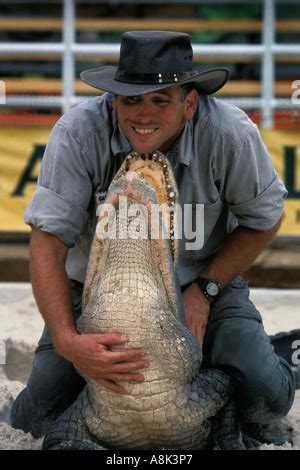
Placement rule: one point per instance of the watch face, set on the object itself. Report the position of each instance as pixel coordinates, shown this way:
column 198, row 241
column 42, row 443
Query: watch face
column 212, row 289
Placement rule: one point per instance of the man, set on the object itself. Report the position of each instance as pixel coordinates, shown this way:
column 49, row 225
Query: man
column 157, row 102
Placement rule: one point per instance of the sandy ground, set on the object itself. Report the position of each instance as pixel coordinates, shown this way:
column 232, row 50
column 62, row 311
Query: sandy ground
column 21, row 325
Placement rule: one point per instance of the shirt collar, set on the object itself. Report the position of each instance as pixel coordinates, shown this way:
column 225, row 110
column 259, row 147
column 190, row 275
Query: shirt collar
column 181, row 152
column 119, row 142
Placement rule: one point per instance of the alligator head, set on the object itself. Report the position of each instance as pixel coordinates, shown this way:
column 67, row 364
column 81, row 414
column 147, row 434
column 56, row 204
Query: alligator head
column 145, row 184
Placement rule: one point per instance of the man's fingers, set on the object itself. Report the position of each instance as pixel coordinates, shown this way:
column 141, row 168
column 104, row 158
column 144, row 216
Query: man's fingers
column 198, row 332
column 126, row 355
column 129, row 366
column 201, row 335
column 110, row 338
column 110, row 381
column 113, row 386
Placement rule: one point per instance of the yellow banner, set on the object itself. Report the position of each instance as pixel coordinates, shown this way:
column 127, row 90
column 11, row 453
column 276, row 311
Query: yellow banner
column 22, row 148
column 284, row 148
column 21, row 152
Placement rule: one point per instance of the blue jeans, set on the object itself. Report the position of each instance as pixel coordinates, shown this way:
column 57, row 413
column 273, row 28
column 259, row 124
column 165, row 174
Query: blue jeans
column 235, row 342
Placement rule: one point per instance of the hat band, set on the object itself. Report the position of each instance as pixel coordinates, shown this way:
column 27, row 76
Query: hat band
column 151, row 78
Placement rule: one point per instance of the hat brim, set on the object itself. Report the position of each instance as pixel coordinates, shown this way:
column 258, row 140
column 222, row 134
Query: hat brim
column 103, row 78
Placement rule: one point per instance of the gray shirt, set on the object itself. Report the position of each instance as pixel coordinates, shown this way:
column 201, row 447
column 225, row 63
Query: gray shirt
column 219, row 161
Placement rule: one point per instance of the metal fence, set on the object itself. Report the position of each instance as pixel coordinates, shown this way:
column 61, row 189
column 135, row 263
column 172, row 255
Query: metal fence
column 68, row 49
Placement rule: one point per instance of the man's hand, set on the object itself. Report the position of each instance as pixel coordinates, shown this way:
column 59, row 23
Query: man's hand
column 91, row 355
column 196, row 308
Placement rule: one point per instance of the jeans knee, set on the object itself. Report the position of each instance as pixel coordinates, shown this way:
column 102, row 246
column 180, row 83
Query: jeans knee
column 263, row 382
column 20, row 416
column 14, row 416
column 285, row 400
column 29, row 418
column 231, row 344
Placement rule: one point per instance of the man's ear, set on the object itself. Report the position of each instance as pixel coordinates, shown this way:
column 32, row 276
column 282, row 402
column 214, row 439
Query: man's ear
column 191, row 102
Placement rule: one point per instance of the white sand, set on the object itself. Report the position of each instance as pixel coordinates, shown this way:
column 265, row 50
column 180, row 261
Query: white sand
column 21, row 325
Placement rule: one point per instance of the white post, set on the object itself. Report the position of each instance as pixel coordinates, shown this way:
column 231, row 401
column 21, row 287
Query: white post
column 68, row 58
column 268, row 73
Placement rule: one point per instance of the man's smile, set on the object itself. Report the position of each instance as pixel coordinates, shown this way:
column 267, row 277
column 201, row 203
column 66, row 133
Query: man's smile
column 143, row 131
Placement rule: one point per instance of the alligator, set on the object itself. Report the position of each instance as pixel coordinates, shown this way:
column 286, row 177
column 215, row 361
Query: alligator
column 131, row 286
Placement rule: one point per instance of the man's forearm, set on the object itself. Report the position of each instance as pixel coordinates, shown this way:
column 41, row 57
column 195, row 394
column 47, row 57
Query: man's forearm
column 240, row 250
column 51, row 287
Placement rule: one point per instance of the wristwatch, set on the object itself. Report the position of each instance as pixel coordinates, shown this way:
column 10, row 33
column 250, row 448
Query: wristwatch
column 209, row 287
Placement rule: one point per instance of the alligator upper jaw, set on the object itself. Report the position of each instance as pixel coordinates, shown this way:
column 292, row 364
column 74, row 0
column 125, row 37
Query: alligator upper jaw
column 148, row 179
column 156, row 171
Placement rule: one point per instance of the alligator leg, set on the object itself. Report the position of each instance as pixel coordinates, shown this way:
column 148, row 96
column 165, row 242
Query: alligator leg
column 226, row 433
column 69, row 432
column 215, row 397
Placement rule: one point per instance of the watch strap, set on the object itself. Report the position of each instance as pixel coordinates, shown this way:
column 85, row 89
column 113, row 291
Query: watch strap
column 203, row 282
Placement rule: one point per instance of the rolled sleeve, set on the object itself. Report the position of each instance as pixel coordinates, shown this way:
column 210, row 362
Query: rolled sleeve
column 63, row 194
column 251, row 187
column 263, row 211
column 52, row 213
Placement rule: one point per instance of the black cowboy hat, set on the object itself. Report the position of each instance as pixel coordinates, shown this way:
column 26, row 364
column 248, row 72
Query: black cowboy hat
column 151, row 61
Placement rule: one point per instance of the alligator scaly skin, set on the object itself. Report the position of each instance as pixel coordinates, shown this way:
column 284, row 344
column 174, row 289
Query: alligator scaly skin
column 131, row 287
